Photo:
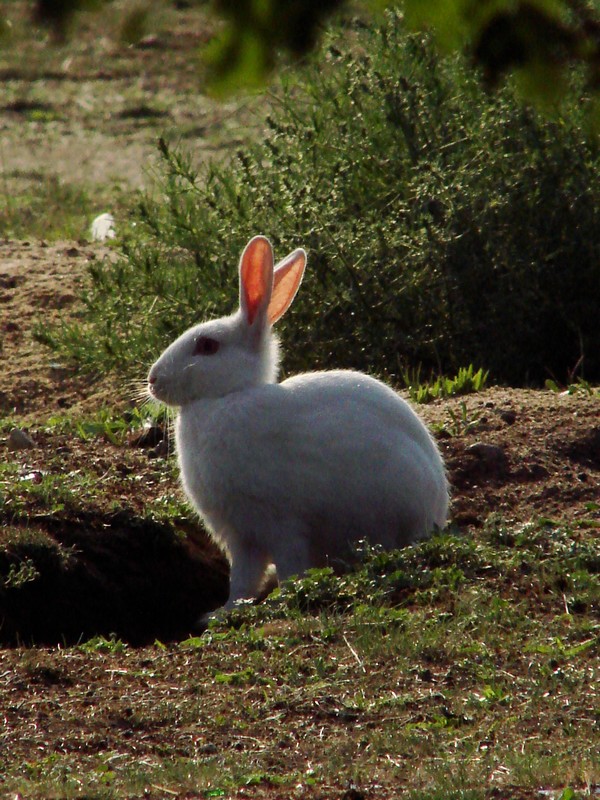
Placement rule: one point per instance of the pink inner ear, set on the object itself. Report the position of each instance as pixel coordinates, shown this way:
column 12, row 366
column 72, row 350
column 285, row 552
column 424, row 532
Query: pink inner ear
column 286, row 280
column 254, row 277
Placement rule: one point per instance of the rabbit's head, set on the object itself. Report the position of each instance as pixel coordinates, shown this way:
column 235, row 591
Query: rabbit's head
column 236, row 352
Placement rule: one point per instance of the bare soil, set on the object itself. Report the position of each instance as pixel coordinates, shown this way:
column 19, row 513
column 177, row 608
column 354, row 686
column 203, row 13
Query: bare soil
column 39, row 284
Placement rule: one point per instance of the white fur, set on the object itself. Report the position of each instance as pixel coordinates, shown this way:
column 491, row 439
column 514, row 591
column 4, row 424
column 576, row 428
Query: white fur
column 293, row 473
column 103, row 228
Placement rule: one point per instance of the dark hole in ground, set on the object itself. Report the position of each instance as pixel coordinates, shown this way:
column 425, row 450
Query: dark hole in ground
column 65, row 582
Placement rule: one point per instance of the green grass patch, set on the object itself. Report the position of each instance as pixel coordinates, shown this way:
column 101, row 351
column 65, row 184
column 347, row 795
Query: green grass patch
column 111, row 425
column 466, row 381
column 44, row 491
column 440, row 569
column 44, row 207
column 462, row 667
column 579, row 386
column 37, row 493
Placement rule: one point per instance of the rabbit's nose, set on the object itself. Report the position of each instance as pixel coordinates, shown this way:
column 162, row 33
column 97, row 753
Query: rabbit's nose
column 152, row 378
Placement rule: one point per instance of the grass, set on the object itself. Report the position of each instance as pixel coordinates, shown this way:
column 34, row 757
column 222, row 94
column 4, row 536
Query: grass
column 578, row 386
column 40, row 495
column 458, row 668
column 27, row 494
column 67, row 105
column 466, row 381
column 108, row 424
column 43, row 207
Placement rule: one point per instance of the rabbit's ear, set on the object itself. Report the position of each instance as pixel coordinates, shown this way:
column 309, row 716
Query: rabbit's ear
column 286, row 280
column 256, row 278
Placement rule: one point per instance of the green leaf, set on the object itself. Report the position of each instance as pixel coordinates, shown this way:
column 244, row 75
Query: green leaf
column 567, row 794
column 445, row 17
column 238, row 60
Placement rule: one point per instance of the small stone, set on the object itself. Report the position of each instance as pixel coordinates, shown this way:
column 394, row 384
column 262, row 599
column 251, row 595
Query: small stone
column 161, row 450
column 19, row 440
column 509, row 416
column 103, row 228
column 490, row 453
column 208, row 749
column 37, row 476
column 149, row 436
column 149, row 41
column 58, row 372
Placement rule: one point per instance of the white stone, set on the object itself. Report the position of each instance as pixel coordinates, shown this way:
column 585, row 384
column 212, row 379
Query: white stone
column 103, row 228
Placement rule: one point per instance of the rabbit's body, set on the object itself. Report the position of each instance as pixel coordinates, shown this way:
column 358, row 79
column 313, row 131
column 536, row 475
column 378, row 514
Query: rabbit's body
column 351, row 464
column 294, row 473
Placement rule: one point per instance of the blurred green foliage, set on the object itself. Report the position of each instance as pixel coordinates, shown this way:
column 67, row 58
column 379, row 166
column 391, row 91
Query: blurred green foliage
column 538, row 40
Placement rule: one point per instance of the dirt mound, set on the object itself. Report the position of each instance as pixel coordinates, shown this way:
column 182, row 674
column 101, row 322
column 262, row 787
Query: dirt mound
column 523, row 454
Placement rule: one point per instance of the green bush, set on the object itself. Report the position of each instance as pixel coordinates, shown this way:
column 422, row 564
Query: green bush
column 444, row 227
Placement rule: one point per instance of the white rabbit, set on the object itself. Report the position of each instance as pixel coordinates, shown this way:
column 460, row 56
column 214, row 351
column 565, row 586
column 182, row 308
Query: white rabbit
column 291, row 473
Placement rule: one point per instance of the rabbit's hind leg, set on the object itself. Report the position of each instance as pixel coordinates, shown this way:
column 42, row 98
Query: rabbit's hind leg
column 248, row 566
column 292, row 555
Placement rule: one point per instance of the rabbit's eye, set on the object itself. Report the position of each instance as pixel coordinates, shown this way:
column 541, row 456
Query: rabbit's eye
column 205, row 346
